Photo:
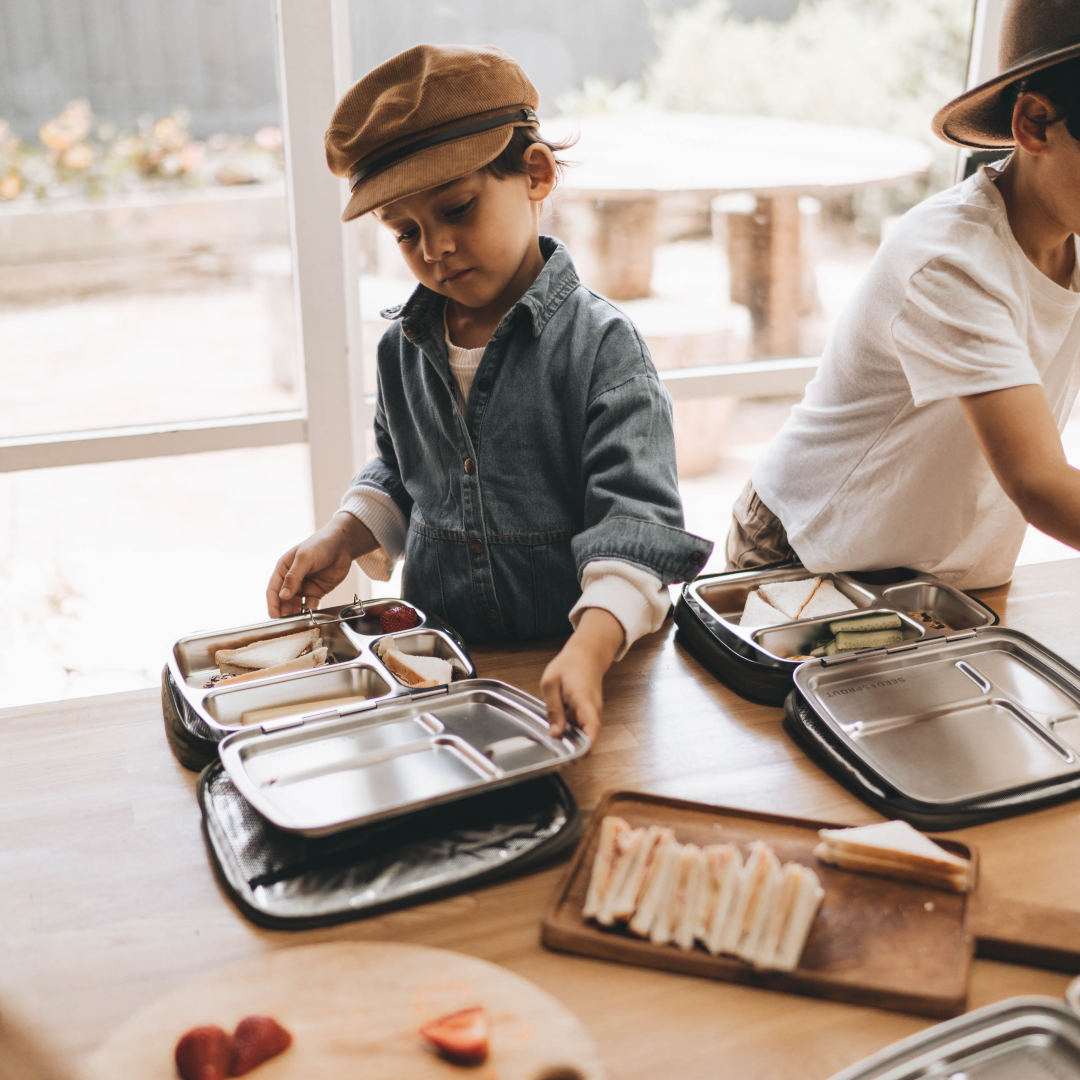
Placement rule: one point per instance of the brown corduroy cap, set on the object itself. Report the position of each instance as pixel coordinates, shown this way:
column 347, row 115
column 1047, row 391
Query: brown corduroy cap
column 427, row 116
column 1035, row 34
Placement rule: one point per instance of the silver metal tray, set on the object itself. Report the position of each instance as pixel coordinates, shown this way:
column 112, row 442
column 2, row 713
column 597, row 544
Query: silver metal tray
column 358, row 676
column 723, row 596
column 1023, row 1038
column 313, row 774
column 953, row 720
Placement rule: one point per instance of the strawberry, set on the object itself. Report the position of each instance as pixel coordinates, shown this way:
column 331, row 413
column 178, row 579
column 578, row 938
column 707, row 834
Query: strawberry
column 461, row 1037
column 398, row 617
column 257, row 1039
column 203, row 1054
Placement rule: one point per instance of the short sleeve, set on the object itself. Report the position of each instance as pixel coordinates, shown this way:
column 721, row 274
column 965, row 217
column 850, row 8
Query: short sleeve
column 956, row 334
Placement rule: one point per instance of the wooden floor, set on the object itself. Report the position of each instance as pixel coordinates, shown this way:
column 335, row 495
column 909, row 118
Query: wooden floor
column 107, row 898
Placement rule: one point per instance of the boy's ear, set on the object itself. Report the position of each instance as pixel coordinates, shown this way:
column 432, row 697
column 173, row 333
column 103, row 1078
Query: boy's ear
column 540, row 162
column 1032, row 114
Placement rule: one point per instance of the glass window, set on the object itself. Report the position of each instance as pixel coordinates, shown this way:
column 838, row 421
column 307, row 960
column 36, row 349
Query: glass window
column 145, row 265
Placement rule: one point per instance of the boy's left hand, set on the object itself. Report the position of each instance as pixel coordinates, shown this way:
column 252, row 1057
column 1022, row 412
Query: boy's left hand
column 572, row 684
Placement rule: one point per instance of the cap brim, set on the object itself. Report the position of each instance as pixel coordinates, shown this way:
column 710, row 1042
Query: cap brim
column 978, row 117
column 427, row 169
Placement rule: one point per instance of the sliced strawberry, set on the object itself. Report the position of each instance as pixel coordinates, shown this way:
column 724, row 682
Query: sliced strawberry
column 257, row 1039
column 397, row 618
column 203, row 1054
column 462, row 1037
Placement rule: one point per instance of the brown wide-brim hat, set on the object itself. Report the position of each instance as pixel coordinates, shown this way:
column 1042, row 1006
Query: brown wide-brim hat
column 429, row 115
column 1035, row 34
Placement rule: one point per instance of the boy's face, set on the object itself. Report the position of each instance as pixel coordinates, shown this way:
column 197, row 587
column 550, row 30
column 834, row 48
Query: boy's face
column 468, row 239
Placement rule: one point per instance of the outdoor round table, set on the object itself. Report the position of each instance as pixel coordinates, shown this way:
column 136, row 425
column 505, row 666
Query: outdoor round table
column 606, row 205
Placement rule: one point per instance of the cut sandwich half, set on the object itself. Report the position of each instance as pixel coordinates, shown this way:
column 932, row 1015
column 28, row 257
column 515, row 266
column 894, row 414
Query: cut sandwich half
column 790, row 597
column 623, row 902
column 725, row 864
column 657, row 890
column 798, row 921
column 302, row 663
column 894, row 849
column 624, row 863
column 760, row 906
column 614, row 838
column 827, row 600
column 753, row 879
column 669, row 911
column 759, row 612
column 695, row 895
column 416, row 671
column 270, row 652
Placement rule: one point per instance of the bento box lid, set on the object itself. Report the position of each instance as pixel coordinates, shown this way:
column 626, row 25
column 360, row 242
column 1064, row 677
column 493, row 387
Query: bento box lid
column 339, row 768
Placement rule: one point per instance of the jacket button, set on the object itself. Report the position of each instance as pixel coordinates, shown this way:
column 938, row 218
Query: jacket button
column 470, row 466
column 476, row 546
column 695, row 557
column 491, row 615
column 483, row 384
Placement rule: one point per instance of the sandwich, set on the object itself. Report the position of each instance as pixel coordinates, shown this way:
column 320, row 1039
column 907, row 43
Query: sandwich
column 725, row 865
column 894, row 849
column 790, row 597
column 827, row 600
column 696, row 894
column 762, row 893
column 615, row 836
column 656, row 893
column 759, row 612
column 800, row 899
column 417, row 671
column 271, row 656
column 669, row 914
column 791, row 601
column 623, row 898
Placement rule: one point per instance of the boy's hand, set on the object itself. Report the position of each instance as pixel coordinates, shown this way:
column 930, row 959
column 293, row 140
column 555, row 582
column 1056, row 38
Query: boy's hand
column 572, row 684
column 313, row 568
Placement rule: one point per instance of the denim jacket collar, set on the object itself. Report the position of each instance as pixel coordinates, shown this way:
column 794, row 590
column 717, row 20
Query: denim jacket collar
column 422, row 314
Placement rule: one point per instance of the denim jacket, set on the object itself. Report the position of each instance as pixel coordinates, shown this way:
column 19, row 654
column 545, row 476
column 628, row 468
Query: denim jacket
column 565, row 453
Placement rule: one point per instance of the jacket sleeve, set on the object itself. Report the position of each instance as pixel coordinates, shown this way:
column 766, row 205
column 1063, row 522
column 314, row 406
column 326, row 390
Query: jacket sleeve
column 633, row 510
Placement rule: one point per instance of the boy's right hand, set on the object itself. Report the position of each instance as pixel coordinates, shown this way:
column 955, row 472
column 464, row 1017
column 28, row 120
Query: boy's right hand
column 319, row 564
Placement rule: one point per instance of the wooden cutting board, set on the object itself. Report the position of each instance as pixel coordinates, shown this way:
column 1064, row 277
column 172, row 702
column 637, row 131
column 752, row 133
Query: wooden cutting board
column 875, row 941
column 354, row 1009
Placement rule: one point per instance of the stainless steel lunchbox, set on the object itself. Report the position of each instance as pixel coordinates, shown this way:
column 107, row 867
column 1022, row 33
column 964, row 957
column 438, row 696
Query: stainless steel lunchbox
column 944, row 731
column 1022, row 1038
column 756, row 661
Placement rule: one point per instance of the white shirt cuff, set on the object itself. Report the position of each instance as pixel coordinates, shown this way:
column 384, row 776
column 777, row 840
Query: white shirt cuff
column 637, row 598
column 375, row 509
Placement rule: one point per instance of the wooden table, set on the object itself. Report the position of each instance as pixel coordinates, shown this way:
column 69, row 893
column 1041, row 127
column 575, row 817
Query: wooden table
column 107, row 898
column 606, row 205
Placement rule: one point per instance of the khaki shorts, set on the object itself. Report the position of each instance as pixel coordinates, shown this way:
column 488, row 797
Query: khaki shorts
column 756, row 538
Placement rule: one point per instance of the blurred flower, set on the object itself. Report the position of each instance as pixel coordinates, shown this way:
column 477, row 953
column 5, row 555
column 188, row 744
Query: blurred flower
column 170, row 135
column 10, row 186
column 78, row 157
column 71, row 126
column 268, row 138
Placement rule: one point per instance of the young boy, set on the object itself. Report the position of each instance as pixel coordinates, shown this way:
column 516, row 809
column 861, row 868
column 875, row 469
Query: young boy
column 524, row 440
column 930, row 433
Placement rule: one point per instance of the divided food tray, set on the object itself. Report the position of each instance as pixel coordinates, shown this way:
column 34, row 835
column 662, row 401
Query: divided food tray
column 284, row 880
column 1022, row 1037
column 946, row 731
column 316, row 775
column 756, row 661
column 198, row 717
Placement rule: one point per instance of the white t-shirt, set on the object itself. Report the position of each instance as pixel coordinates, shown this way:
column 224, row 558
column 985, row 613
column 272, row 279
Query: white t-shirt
column 878, row 467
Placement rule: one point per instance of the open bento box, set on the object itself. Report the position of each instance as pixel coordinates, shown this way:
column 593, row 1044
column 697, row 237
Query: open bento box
column 945, row 731
column 759, row 662
column 347, row 743
column 1018, row 1038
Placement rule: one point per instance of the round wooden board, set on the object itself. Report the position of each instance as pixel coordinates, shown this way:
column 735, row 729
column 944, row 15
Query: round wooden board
column 354, row 1009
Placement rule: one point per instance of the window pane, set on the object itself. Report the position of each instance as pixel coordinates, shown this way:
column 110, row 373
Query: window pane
column 145, row 265
column 103, row 567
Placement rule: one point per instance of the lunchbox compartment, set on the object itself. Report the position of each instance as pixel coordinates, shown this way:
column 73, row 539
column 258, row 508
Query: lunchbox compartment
column 194, row 655
column 944, row 604
column 727, row 598
column 798, row 639
column 427, row 643
column 306, row 693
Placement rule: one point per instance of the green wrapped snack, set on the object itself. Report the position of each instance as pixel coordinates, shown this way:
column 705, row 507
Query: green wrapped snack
column 847, row 641
column 866, row 622
column 823, row 648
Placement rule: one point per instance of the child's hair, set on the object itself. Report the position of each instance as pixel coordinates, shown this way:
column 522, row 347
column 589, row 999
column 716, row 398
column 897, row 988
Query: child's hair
column 1061, row 84
column 511, row 162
